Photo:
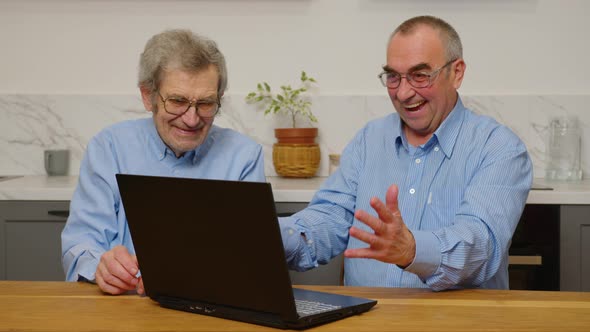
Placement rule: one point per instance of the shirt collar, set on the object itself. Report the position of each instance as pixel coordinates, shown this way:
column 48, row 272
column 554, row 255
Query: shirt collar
column 448, row 131
column 400, row 140
column 157, row 145
column 446, row 134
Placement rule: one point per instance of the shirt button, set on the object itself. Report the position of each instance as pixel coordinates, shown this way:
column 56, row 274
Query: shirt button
column 412, row 191
column 418, row 161
column 291, row 231
column 436, row 148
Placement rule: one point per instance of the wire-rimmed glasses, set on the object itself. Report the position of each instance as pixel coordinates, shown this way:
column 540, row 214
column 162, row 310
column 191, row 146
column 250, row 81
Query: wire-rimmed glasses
column 177, row 106
column 417, row 79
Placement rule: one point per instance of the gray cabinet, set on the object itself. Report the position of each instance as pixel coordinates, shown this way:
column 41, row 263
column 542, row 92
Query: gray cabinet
column 30, row 239
column 572, row 222
column 30, row 244
column 575, row 248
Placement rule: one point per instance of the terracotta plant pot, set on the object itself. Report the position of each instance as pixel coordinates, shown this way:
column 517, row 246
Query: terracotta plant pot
column 296, row 154
column 296, row 135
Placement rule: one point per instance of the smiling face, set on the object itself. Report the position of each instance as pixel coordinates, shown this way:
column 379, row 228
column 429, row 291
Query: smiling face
column 187, row 131
column 423, row 109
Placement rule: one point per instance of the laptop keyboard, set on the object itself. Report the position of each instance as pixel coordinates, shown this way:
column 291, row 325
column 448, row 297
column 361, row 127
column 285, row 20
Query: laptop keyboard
column 306, row 308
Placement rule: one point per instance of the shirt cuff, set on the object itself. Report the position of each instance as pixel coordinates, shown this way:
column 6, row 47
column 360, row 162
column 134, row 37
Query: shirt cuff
column 428, row 256
column 85, row 268
column 297, row 252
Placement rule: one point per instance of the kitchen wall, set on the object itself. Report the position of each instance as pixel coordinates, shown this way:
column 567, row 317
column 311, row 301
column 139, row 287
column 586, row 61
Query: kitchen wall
column 68, row 67
column 31, row 123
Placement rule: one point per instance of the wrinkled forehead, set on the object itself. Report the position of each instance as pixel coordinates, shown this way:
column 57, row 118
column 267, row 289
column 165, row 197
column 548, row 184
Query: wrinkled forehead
column 422, row 45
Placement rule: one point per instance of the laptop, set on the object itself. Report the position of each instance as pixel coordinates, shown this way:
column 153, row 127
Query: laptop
column 214, row 247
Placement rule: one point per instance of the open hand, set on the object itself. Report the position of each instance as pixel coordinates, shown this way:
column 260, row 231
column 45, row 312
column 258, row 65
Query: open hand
column 391, row 241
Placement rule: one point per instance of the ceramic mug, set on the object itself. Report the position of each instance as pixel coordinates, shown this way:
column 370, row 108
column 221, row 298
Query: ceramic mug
column 56, row 161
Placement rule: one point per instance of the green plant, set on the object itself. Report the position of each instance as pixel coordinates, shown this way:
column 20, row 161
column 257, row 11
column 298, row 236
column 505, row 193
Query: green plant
column 289, row 101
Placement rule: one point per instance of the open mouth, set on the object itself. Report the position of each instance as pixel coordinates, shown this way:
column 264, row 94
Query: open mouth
column 415, row 107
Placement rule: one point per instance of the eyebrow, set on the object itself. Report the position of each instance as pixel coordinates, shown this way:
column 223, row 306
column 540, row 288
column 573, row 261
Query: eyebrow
column 417, row 67
column 207, row 99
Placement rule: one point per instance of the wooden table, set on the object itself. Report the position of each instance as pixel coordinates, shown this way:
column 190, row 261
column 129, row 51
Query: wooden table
column 62, row 306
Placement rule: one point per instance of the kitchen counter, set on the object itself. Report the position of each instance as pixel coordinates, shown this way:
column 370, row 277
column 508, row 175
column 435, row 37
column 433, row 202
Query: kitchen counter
column 61, row 188
column 38, row 188
column 34, row 208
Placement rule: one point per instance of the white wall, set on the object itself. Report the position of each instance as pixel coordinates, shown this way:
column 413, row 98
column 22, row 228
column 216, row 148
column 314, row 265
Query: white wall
column 92, row 46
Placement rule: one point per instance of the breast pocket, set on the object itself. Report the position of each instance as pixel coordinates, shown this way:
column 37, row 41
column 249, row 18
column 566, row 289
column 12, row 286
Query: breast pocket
column 441, row 207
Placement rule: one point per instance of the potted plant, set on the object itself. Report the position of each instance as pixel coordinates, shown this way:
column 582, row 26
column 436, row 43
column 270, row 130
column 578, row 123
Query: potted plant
column 296, row 153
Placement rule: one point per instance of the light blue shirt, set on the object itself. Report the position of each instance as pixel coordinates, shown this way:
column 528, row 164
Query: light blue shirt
column 461, row 194
column 97, row 221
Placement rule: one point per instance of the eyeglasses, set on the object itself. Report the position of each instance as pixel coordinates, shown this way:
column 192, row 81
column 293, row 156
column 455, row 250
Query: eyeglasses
column 417, row 79
column 176, row 105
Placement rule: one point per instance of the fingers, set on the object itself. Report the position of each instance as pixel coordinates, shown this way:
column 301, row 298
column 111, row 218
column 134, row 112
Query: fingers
column 366, row 237
column 391, row 241
column 374, row 222
column 107, row 282
column 391, row 199
column 116, row 271
column 375, row 249
column 140, row 288
column 128, row 262
column 388, row 212
column 360, row 253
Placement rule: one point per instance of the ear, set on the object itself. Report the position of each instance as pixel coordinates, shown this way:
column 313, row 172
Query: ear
column 459, row 73
column 146, row 97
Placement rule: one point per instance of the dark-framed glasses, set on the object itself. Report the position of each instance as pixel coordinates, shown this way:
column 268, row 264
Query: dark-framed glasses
column 417, row 79
column 177, row 105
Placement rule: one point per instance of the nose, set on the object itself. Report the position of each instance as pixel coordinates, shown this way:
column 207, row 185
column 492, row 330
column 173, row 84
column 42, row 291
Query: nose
column 404, row 91
column 190, row 117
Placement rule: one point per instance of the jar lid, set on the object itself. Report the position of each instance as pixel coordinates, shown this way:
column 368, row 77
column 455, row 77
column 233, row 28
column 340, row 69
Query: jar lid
column 564, row 122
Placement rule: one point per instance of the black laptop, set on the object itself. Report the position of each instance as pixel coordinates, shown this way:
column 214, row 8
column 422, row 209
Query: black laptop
column 214, row 247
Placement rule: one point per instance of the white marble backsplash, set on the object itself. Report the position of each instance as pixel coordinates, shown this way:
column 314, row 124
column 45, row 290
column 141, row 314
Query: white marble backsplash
column 30, row 124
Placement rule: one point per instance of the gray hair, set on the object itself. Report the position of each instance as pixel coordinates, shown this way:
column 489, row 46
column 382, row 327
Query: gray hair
column 179, row 49
column 449, row 36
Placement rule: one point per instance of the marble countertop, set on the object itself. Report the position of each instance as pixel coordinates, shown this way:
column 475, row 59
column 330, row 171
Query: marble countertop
column 61, row 188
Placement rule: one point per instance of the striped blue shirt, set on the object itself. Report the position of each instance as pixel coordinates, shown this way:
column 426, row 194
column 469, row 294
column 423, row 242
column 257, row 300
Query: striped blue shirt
column 461, row 194
column 97, row 221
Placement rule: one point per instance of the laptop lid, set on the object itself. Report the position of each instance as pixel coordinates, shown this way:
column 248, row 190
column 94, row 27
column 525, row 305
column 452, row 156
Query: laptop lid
column 212, row 247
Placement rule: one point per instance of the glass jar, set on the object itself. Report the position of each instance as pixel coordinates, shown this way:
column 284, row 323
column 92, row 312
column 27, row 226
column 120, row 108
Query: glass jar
column 564, row 149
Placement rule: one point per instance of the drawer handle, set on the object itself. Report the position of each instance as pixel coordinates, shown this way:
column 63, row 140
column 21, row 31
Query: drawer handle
column 59, row 213
column 525, row 260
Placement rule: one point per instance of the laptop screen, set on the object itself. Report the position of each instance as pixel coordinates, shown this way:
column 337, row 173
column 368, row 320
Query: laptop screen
column 212, row 241
column 214, row 247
